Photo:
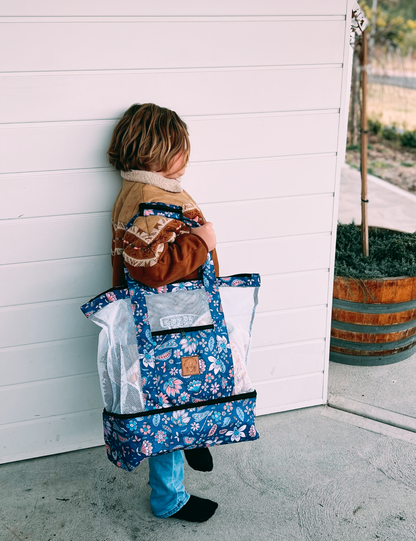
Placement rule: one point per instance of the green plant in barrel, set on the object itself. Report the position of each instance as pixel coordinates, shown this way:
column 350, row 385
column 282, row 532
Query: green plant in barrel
column 374, row 304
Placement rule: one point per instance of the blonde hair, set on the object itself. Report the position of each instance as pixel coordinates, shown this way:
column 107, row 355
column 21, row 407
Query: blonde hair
column 148, row 137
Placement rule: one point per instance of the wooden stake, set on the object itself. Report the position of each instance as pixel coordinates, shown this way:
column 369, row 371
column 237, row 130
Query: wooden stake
column 364, row 129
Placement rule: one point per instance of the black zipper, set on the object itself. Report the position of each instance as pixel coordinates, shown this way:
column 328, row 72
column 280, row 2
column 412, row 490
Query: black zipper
column 161, row 411
column 183, row 330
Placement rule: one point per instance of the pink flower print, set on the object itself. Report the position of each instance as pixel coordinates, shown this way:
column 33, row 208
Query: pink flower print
column 163, row 400
column 201, row 365
column 111, row 296
column 188, row 344
column 177, row 353
column 228, row 407
column 172, row 386
column 252, row 432
column 160, row 436
column 215, row 388
column 146, row 448
column 162, row 289
column 173, row 371
column 145, row 429
column 209, row 378
column 237, row 433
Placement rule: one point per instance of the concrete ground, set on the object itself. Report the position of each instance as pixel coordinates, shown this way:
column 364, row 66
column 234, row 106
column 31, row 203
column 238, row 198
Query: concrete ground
column 316, row 474
column 308, row 478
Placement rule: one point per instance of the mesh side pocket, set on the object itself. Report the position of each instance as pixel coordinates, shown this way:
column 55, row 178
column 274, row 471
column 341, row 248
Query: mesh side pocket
column 239, row 304
column 178, row 310
column 118, row 358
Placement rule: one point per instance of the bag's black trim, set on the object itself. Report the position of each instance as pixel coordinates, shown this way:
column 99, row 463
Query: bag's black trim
column 161, row 411
column 183, row 330
column 242, row 275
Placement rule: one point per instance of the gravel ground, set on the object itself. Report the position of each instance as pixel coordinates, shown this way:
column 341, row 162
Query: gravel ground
column 389, row 161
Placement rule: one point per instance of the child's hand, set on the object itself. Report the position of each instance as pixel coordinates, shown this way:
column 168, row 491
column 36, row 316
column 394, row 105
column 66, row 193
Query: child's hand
column 207, row 234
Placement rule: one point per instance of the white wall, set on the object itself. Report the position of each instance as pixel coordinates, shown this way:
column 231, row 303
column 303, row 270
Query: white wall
column 263, row 88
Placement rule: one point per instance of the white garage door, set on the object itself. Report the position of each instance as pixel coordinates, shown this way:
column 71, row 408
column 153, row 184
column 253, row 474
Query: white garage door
column 263, row 88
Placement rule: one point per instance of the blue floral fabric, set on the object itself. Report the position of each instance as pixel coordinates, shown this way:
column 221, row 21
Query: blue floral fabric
column 181, row 411
column 131, row 440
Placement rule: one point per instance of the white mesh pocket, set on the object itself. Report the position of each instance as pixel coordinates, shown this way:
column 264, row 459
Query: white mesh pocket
column 239, row 305
column 178, row 309
column 118, row 359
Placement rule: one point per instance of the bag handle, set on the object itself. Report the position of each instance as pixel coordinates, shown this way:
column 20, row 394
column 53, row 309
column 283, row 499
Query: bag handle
column 176, row 213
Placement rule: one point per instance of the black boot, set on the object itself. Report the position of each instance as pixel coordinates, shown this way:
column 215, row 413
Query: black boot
column 196, row 510
column 199, row 459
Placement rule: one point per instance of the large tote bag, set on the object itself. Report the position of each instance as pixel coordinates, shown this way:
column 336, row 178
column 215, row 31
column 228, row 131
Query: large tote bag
column 172, row 362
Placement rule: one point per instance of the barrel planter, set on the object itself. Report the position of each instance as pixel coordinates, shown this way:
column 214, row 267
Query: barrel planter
column 373, row 320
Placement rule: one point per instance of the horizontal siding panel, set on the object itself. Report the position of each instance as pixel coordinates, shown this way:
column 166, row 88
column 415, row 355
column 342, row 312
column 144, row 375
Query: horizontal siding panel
column 83, row 145
column 22, row 364
column 89, row 235
column 129, row 45
column 165, row 7
column 260, row 219
column 50, row 97
column 257, row 179
column 78, row 192
column 285, row 361
column 286, row 393
column 66, row 192
column 274, row 328
column 54, row 280
column 52, row 435
column 44, row 322
column 49, row 398
column 55, row 238
column 296, row 290
column 277, row 255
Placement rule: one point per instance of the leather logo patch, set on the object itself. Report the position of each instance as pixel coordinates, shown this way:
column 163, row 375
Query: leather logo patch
column 190, row 365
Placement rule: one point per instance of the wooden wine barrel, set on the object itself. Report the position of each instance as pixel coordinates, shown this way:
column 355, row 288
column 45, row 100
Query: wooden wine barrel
column 373, row 321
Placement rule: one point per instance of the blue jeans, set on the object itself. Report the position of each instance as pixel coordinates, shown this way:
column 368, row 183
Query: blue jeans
column 168, row 494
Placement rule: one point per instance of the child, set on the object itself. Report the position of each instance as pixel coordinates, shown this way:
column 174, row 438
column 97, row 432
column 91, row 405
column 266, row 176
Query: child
column 150, row 147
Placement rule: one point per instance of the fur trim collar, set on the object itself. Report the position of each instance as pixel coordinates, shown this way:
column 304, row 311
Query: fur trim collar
column 147, row 177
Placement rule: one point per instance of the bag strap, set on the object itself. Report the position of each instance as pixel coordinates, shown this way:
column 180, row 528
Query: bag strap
column 175, row 212
column 162, row 209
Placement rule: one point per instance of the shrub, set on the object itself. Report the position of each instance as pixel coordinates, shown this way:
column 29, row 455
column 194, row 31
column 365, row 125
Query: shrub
column 392, row 253
column 390, row 133
column 408, row 138
column 374, row 125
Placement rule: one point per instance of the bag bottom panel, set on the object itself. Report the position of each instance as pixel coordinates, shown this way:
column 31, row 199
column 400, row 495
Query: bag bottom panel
column 131, row 440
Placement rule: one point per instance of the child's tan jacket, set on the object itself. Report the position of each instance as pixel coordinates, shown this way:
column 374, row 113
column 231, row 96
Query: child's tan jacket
column 156, row 250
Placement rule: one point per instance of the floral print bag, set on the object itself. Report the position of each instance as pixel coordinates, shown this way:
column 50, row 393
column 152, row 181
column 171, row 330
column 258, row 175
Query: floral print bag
column 172, row 361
